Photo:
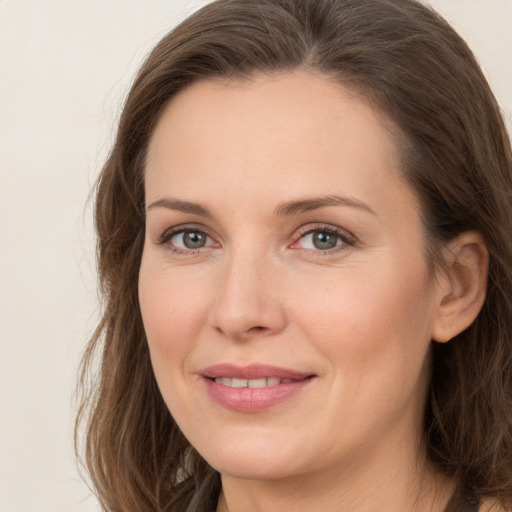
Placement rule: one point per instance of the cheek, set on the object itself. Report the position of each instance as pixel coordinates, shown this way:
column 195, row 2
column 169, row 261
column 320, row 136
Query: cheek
column 173, row 311
column 372, row 323
column 376, row 336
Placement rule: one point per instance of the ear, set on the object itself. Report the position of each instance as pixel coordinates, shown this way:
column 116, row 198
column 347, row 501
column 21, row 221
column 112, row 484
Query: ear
column 461, row 286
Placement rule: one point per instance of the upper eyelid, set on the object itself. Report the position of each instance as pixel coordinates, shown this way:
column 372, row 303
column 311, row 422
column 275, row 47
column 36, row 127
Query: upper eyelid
column 307, row 229
column 186, row 227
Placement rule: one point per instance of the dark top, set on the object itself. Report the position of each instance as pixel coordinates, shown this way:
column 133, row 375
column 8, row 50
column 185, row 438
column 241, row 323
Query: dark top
column 208, row 492
column 468, row 507
column 462, row 502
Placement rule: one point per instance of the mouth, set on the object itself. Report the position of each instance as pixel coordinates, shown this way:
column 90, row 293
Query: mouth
column 253, row 383
column 253, row 388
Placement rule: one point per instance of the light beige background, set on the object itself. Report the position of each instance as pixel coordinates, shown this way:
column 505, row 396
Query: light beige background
column 65, row 66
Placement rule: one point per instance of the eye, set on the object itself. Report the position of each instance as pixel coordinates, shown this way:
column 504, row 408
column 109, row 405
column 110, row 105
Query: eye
column 320, row 240
column 186, row 240
column 189, row 240
column 324, row 239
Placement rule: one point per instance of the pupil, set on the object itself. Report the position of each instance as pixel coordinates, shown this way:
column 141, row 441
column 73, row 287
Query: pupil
column 322, row 240
column 194, row 240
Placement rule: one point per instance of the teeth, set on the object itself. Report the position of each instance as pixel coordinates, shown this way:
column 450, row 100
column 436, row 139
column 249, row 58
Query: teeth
column 257, row 383
column 239, row 383
column 251, row 383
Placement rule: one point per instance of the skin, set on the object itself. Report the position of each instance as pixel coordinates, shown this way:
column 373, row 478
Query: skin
column 360, row 316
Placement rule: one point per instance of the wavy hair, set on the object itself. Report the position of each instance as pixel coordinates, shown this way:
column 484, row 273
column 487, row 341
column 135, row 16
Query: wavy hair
column 456, row 155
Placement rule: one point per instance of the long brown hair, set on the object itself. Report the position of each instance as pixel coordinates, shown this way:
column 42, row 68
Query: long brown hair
column 456, row 156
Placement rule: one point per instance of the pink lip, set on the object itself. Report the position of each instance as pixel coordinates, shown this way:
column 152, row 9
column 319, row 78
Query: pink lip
column 253, row 399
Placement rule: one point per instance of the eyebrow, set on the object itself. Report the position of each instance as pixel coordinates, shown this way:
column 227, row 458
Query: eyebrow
column 172, row 203
column 288, row 208
column 314, row 203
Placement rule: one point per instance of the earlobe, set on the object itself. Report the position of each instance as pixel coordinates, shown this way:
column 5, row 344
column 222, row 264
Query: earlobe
column 462, row 286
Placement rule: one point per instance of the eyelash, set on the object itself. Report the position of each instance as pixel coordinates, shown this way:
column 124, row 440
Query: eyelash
column 189, row 228
column 346, row 238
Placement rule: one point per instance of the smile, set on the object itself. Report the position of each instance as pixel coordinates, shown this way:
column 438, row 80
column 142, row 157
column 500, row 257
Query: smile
column 253, row 388
column 252, row 383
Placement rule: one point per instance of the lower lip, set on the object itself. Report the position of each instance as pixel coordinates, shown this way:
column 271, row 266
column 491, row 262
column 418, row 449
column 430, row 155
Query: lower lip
column 253, row 399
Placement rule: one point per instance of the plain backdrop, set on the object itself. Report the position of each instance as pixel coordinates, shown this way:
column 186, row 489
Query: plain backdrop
column 65, row 67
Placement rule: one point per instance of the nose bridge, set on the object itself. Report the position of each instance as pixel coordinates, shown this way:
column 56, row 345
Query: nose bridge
column 248, row 299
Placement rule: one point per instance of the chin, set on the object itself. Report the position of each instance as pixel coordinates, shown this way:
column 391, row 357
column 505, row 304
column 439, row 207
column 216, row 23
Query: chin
column 252, row 469
column 255, row 459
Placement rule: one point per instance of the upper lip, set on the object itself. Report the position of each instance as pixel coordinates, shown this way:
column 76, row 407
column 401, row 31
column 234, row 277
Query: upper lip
column 252, row 371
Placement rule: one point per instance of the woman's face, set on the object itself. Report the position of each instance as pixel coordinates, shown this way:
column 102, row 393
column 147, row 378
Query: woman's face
column 284, row 288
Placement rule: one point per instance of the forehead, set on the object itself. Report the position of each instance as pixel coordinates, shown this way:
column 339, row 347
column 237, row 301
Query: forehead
column 290, row 105
column 294, row 132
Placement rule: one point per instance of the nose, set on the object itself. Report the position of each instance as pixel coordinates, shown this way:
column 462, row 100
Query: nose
column 249, row 303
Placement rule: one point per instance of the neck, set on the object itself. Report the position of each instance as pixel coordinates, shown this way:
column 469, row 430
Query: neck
column 414, row 486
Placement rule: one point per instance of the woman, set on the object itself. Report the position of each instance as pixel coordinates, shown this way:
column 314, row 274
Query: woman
column 305, row 253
